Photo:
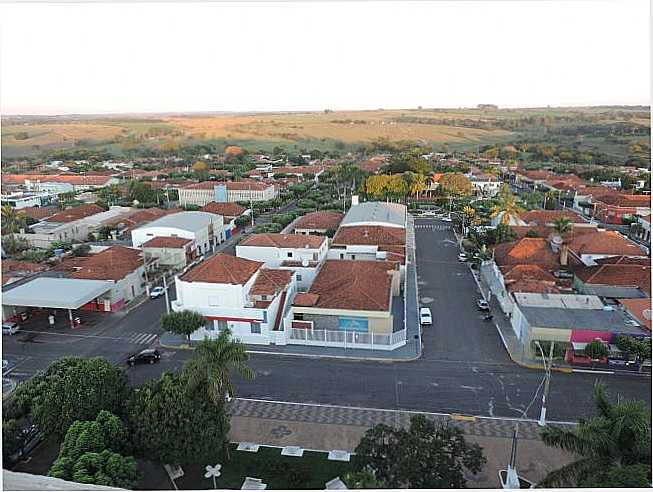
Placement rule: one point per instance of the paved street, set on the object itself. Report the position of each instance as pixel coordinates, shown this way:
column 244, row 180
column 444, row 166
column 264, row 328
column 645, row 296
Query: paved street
column 464, row 368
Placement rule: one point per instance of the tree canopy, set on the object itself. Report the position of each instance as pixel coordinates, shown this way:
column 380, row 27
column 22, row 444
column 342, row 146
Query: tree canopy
column 71, row 389
column 174, row 424
column 183, row 322
column 423, row 456
column 455, row 184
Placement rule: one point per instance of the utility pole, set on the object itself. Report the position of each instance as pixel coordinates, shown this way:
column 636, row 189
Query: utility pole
column 165, row 292
column 547, row 376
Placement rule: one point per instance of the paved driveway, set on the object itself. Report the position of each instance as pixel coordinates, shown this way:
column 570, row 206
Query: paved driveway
column 447, row 287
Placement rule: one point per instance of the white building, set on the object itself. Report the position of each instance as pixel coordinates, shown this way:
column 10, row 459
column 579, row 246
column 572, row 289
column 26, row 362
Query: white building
column 302, row 254
column 232, row 191
column 238, row 294
column 205, row 229
column 21, row 200
column 485, row 185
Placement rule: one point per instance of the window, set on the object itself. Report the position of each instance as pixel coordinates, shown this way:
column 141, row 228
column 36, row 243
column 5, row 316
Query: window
column 289, row 254
column 353, row 257
column 314, row 256
column 353, row 324
column 222, row 324
column 299, row 316
column 255, row 328
column 299, row 278
column 342, row 256
column 264, row 297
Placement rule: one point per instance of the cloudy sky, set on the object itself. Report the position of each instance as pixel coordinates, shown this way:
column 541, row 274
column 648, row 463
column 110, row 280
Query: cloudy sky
column 155, row 57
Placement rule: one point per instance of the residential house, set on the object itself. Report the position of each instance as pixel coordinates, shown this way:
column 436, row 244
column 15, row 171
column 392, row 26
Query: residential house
column 206, row 230
column 585, row 249
column 302, row 254
column 350, row 304
column 639, row 310
column 612, row 209
column 229, row 211
column 172, row 252
column 318, row 222
column 59, row 183
column 238, row 294
column 615, row 277
column 485, row 185
column 642, row 230
column 119, row 264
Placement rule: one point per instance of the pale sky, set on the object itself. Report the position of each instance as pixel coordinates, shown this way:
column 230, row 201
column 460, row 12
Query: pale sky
column 269, row 56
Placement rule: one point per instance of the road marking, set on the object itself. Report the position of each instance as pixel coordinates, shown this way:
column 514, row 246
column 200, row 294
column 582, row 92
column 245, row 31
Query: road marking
column 392, row 410
column 462, row 418
column 69, row 334
column 142, row 338
column 591, row 371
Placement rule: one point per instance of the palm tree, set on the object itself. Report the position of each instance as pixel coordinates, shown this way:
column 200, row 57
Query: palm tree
column 213, row 364
column 12, row 220
column 618, row 436
column 507, row 206
column 562, row 225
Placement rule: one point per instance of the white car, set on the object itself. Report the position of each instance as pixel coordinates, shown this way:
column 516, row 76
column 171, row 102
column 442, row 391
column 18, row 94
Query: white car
column 483, row 305
column 425, row 316
column 446, row 219
column 10, row 328
column 156, row 292
column 463, row 257
column 429, row 213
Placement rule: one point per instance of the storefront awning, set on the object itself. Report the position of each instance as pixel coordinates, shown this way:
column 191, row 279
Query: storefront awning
column 56, row 293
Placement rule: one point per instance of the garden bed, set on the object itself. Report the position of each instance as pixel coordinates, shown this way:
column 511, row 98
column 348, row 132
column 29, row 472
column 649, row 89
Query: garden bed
column 311, row 471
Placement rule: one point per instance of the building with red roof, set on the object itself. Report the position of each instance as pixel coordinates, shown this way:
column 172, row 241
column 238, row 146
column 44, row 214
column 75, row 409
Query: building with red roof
column 318, row 222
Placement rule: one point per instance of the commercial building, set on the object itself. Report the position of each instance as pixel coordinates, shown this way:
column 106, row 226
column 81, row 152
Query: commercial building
column 206, row 230
column 232, row 191
column 171, row 252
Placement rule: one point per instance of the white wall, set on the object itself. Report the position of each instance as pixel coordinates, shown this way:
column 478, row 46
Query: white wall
column 144, row 234
column 274, row 256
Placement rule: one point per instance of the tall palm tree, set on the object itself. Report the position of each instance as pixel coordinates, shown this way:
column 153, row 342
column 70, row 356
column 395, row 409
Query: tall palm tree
column 562, row 225
column 213, row 364
column 12, row 220
column 618, row 436
column 507, row 205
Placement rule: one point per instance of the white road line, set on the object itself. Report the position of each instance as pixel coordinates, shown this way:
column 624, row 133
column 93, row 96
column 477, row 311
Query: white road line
column 590, row 371
column 138, row 337
column 150, row 338
column 344, row 407
column 69, row 335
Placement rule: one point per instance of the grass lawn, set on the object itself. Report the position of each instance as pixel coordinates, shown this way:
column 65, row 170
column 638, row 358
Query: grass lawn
column 311, row 471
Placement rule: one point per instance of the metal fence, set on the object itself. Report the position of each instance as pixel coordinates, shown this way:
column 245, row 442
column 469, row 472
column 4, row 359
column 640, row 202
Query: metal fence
column 353, row 339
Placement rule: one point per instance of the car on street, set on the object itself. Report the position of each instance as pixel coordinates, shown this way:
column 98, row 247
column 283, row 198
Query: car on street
column 463, row 257
column 147, row 356
column 446, row 219
column 10, row 328
column 425, row 317
column 429, row 213
column 482, row 305
column 157, row 292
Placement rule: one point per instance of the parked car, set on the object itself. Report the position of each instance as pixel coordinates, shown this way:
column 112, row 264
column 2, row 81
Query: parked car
column 10, row 328
column 463, row 257
column 429, row 213
column 425, row 317
column 147, row 356
column 157, row 292
column 446, row 219
column 482, row 305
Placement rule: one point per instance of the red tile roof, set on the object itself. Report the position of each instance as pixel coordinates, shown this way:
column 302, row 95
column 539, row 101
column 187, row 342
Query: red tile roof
column 167, row 242
column 114, row 263
column 226, row 209
column 320, row 220
column 92, row 180
column 529, row 278
column 9, row 265
column 623, row 260
column 305, row 299
column 247, row 185
column 76, row 213
column 270, row 281
column 204, row 185
column 604, row 243
column 544, row 217
column 39, row 213
column 372, row 165
column 535, row 251
column 621, row 275
column 295, row 241
column 623, row 200
column 370, row 235
column 297, row 263
column 544, row 231
column 640, row 309
column 298, row 169
column 351, row 285
column 223, row 269
column 147, row 215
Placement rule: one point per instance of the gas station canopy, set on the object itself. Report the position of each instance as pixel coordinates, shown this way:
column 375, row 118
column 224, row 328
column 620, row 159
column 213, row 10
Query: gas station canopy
column 56, row 293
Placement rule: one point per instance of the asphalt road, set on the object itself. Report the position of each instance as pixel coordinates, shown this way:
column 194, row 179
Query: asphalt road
column 464, row 368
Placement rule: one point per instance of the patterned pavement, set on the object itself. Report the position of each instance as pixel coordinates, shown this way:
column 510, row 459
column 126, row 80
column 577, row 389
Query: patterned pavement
column 368, row 417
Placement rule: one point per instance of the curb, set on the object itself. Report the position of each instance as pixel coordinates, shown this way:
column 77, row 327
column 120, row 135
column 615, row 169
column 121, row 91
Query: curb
column 295, row 354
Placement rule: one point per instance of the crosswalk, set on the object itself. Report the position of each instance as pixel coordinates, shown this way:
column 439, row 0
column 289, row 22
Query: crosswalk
column 433, row 227
column 142, row 338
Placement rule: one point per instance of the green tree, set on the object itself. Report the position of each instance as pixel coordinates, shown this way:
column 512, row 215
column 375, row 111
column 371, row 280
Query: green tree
column 363, row 479
column 106, row 468
column 183, row 322
column 640, row 349
column 506, row 205
column 12, row 439
column 12, row 220
column 619, row 436
column 171, row 423
column 455, row 185
column 13, row 245
column 596, row 349
column 71, row 389
column 213, row 364
column 562, row 225
column 423, row 456
column 632, row 476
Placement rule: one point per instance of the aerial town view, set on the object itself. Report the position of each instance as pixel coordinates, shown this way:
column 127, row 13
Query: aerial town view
column 326, row 245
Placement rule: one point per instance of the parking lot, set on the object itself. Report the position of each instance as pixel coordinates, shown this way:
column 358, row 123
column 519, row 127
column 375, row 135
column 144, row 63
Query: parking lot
column 447, row 287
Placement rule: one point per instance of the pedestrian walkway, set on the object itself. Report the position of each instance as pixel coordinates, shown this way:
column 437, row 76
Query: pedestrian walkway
column 433, row 227
column 141, row 338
